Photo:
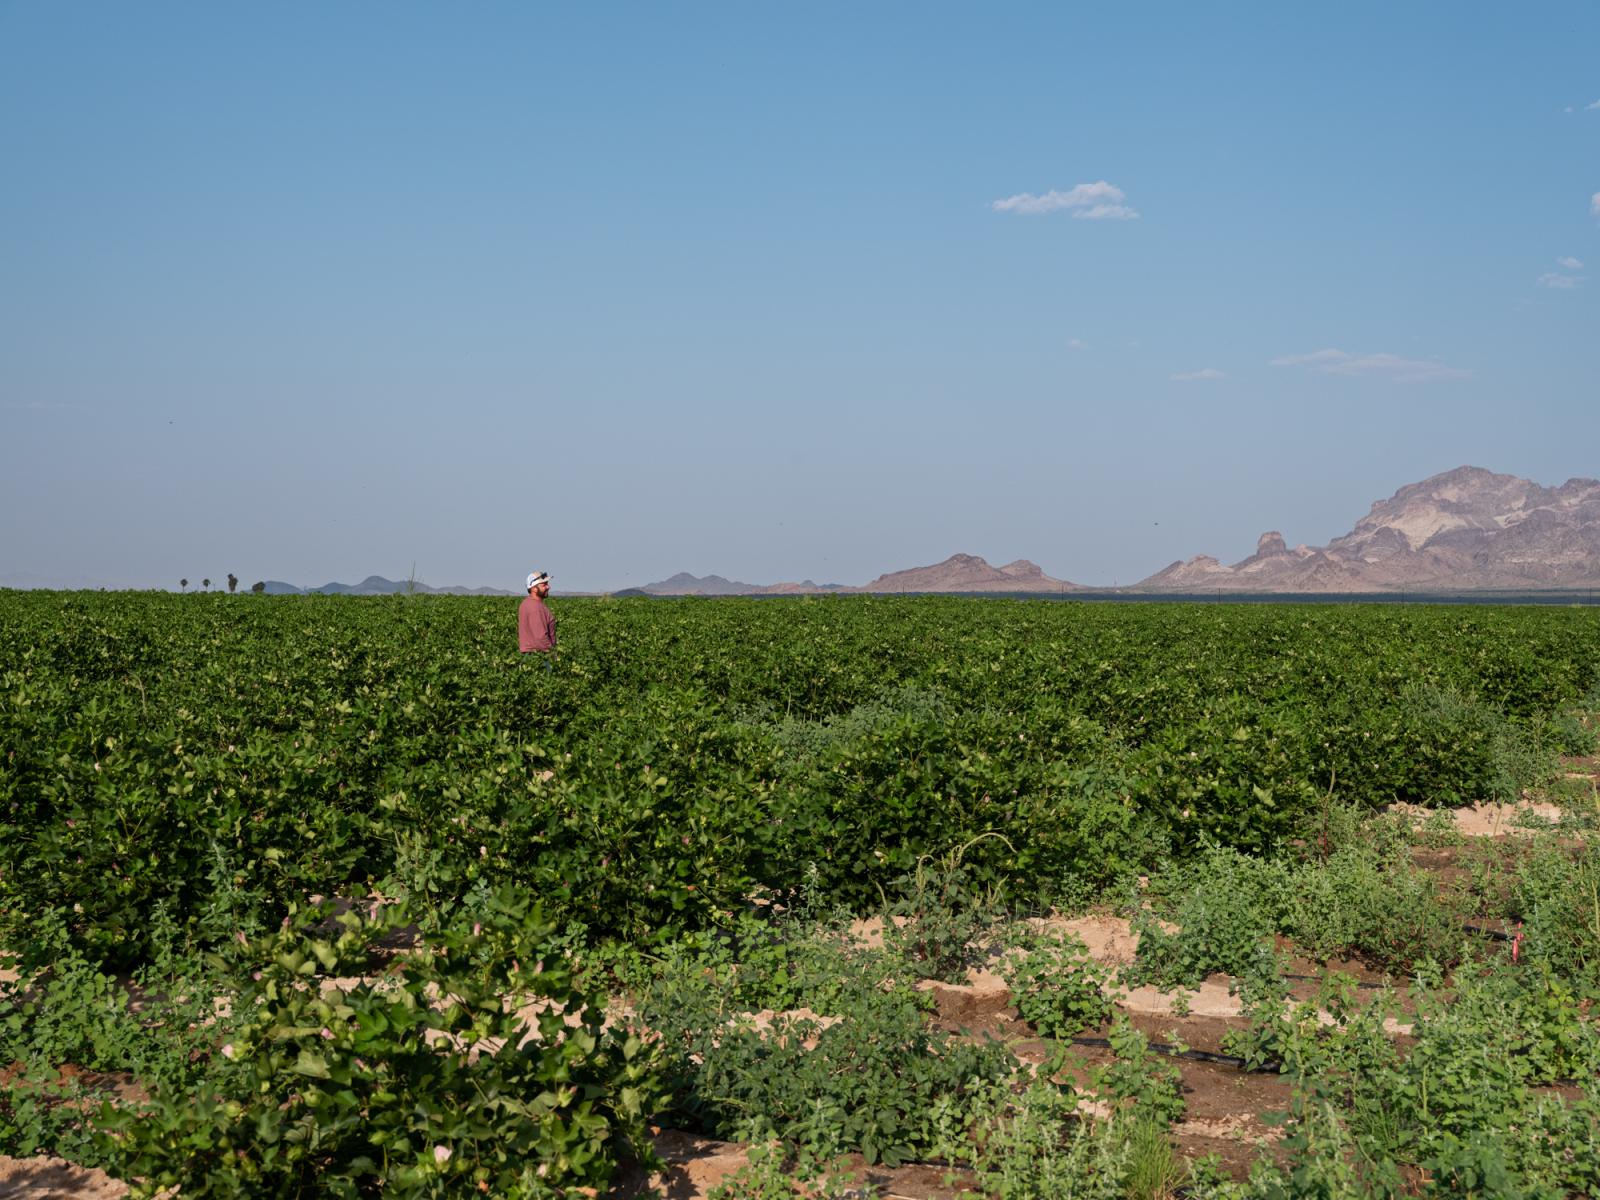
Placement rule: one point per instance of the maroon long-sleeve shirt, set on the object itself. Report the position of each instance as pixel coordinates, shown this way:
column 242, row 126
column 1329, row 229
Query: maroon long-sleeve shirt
column 536, row 626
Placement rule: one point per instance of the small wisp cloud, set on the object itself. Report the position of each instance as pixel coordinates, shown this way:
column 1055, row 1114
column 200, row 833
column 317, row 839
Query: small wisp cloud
column 1098, row 201
column 1392, row 367
column 1560, row 281
column 1203, row 375
column 1555, row 279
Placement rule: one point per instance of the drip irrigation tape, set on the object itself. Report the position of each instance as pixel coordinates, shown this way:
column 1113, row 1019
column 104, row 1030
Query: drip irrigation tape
column 941, row 1163
column 1205, row 1056
column 1499, row 935
column 1366, row 987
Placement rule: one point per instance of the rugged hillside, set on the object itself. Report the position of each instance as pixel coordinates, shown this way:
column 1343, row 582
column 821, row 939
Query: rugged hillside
column 377, row 585
column 958, row 573
column 685, row 584
column 969, row 573
column 1465, row 529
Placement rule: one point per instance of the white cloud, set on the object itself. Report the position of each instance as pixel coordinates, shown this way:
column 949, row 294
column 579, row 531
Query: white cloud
column 1570, row 263
column 1554, row 279
column 1591, row 107
column 1316, row 358
column 1107, row 212
column 1099, row 201
column 1402, row 370
column 1392, row 367
column 1594, row 204
column 1200, row 376
column 1077, row 344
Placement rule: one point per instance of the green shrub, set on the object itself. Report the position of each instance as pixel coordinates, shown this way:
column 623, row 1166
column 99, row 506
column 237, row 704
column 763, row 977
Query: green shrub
column 872, row 1071
column 1554, row 897
column 1138, row 1081
column 941, row 916
column 423, row 1081
column 776, row 1171
column 1573, row 733
column 1468, row 749
column 1056, row 987
column 1037, row 1145
column 1226, row 906
column 1362, row 902
column 71, row 1035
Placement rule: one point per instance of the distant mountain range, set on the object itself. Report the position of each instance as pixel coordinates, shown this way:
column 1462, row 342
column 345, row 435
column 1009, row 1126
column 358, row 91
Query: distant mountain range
column 377, row 585
column 1464, row 530
column 958, row 573
column 685, row 584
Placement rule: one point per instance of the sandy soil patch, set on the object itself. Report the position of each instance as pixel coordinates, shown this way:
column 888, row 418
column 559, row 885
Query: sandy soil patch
column 694, row 1165
column 1213, row 998
column 868, row 931
column 45, row 1178
column 1109, row 939
column 1236, row 1125
column 1486, row 819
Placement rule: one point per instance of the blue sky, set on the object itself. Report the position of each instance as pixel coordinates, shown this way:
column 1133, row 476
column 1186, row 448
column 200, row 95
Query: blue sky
column 315, row 291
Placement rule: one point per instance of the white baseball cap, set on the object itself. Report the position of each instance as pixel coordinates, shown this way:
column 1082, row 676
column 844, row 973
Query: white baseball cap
column 537, row 577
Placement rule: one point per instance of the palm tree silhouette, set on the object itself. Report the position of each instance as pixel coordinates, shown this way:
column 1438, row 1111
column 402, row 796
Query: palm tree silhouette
column 205, row 583
column 184, row 584
column 233, row 582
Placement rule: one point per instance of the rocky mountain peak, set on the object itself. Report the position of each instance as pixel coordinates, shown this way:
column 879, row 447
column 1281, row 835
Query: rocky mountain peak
column 1458, row 508
column 969, row 573
column 1461, row 529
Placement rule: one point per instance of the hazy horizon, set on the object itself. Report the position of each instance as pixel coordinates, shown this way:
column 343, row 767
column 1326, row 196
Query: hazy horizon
column 309, row 294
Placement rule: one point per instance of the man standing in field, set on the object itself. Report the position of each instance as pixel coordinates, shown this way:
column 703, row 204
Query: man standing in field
column 536, row 624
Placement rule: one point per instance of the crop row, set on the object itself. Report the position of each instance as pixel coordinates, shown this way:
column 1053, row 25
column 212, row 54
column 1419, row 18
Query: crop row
column 182, row 769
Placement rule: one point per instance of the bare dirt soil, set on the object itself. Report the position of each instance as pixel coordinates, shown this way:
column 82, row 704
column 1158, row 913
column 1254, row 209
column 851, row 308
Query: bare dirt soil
column 1225, row 1104
column 1487, row 819
column 47, row 1178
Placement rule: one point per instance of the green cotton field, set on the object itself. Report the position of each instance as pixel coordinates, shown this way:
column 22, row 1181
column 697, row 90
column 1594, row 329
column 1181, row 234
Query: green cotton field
column 338, row 896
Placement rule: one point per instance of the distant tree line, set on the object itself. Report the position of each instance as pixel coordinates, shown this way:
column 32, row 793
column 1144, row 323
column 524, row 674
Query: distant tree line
column 259, row 587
